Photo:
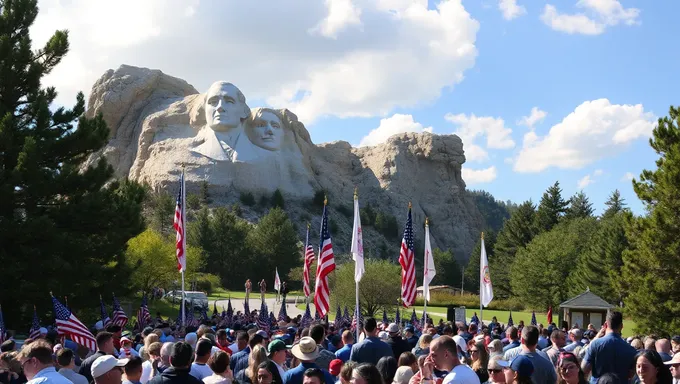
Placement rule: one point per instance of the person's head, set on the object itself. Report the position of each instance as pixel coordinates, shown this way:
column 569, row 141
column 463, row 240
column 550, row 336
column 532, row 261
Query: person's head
column 569, row 369
column 408, row 359
column 444, row 353
column 255, row 339
column 108, row 370
column 276, row 350
column 479, row 355
column 191, row 338
column 674, row 366
column 105, row 342
column 317, row 333
column 335, row 367
column 265, row 128
column 521, row 369
column 203, row 349
column 371, row 327
column 35, row 357
column 265, row 373
column 403, row 375
column 366, row 374
column 166, row 352
column 346, row 372
column 257, row 355
column 575, row 335
column 663, row 345
column 242, row 339
column 313, row 376
column 387, row 366
column 181, row 355
column 614, row 321
column 133, row 368
column 222, row 337
column 347, row 337
column 650, row 368
column 154, row 350
column 637, row 344
column 495, row 347
column 530, row 337
column 408, row 332
column 66, row 358
column 393, row 330
column 219, row 362
column 225, row 107
column 425, row 340
column 650, row 344
column 496, row 369
column 8, row 346
column 306, row 349
column 150, row 339
column 512, row 333
column 557, row 337
column 608, row 378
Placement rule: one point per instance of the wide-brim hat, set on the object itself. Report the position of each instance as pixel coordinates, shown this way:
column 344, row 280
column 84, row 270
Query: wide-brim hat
column 674, row 360
column 306, row 349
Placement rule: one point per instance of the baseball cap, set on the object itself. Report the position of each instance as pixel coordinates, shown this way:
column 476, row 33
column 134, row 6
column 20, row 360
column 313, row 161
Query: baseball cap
column 104, row 364
column 460, row 342
column 263, row 334
column 676, row 339
column 393, row 328
column 276, row 346
column 409, row 329
column 335, row 366
column 522, row 365
column 576, row 332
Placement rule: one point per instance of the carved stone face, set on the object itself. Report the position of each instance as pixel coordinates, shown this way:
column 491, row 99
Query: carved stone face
column 267, row 131
column 225, row 107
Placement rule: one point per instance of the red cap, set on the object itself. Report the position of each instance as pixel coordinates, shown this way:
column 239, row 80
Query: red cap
column 335, row 366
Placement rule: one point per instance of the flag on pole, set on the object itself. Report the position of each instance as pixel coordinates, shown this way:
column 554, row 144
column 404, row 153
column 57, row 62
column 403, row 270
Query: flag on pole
column 357, row 321
column 272, row 319
column 34, row 332
column 550, row 315
column 106, row 320
column 346, row 320
column 533, row 318
column 385, row 320
column 408, row 265
column 357, row 248
column 69, row 325
column 325, row 265
column 277, row 281
column 485, row 287
column 510, row 322
column 229, row 313
column 306, row 318
column 338, row 318
column 283, row 313
column 429, row 270
column 246, row 310
column 143, row 315
column 397, row 317
column 309, row 260
column 119, row 317
column 179, row 226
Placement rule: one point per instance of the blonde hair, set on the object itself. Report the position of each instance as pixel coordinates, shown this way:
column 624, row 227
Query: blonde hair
column 425, row 340
column 257, row 356
column 148, row 340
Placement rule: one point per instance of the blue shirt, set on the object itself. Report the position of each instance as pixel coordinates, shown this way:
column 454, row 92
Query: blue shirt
column 513, row 344
column 572, row 346
column 370, row 350
column 344, row 352
column 237, row 361
column 610, row 354
column 297, row 374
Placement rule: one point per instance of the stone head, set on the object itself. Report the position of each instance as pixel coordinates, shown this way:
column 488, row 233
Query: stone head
column 225, row 107
column 265, row 128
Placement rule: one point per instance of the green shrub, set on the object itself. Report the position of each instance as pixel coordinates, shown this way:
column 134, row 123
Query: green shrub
column 277, row 199
column 193, row 201
column 247, row 198
column 472, row 301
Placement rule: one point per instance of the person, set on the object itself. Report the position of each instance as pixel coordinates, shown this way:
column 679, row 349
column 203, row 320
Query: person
column 408, row 359
column 347, row 341
column 513, row 335
column 219, row 364
column 663, row 346
column 558, row 340
column 267, row 373
column 650, row 369
column 150, row 366
column 249, row 287
column 609, row 353
column 371, row 349
column 105, row 347
column 166, row 351
column 67, row 363
column 366, row 374
column 423, row 347
column 521, row 371
column 318, row 332
column 496, row 370
column 108, row 369
column 569, row 370
column 126, row 351
column 249, row 374
column 403, row 375
column 276, row 351
column 345, row 375
column 240, row 344
column 674, row 368
column 544, row 371
column 313, row 376
column 36, row 361
column 395, row 341
column 10, row 368
column 180, row 363
column 480, row 361
column 239, row 361
column 306, row 351
column 387, row 366
column 263, row 289
column 575, row 335
column 199, row 368
column 410, row 337
column 133, row 370
column 444, row 357
column 284, row 292
column 335, row 367
column 495, row 348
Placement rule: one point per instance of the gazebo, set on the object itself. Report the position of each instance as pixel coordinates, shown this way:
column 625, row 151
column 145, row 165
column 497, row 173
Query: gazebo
column 586, row 308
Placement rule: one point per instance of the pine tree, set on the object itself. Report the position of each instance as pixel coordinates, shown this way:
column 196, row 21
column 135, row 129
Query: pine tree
column 448, row 269
column 517, row 232
column 615, row 204
column 63, row 226
column 272, row 244
column 277, row 199
column 551, row 208
column 579, row 207
column 649, row 273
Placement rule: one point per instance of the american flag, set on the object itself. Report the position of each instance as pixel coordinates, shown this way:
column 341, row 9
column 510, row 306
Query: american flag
column 309, row 260
column 69, row 325
column 179, row 226
column 325, row 265
column 204, row 315
column 215, row 313
column 143, row 315
column 230, row 313
column 414, row 320
column 345, row 317
column 263, row 318
column 397, row 317
column 246, row 311
column 3, row 331
column 510, row 322
column 272, row 319
column 189, row 312
column 106, row 320
column 533, row 318
column 34, row 332
column 306, row 318
column 357, row 322
column 317, row 317
column 407, row 261
column 119, row 317
column 283, row 313
column 385, row 320
column 338, row 318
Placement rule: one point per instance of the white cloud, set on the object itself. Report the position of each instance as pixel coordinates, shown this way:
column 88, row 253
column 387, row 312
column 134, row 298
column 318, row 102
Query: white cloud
column 584, row 182
column 393, row 125
column 595, row 130
column 598, row 172
column 470, row 127
column 479, row 176
column 628, row 176
column 599, row 15
column 403, row 54
column 537, row 116
column 510, row 9
column 341, row 14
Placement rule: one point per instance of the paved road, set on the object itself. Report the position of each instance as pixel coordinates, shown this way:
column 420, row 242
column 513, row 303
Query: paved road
column 255, row 303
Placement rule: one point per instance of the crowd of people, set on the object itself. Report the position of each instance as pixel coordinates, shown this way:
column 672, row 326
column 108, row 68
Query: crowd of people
column 444, row 353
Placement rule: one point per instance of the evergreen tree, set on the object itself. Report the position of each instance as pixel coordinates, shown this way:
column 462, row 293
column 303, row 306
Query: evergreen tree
column 551, row 208
column 162, row 206
column 473, row 267
column 205, row 193
column 494, row 212
column 277, row 199
column 579, row 207
column 272, row 244
column 649, row 273
column 517, row 232
column 228, row 255
column 615, row 204
column 447, row 267
column 63, row 225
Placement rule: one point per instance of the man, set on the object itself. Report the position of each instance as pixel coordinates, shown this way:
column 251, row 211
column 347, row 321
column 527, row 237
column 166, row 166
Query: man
column 318, row 333
column 543, row 339
column 513, row 335
column 105, row 347
column 395, row 341
column 150, row 367
column 276, row 351
column 180, row 361
column 674, row 366
column 108, row 370
column 222, row 342
column 306, row 351
column 239, row 361
column 347, row 341
column 610, row 353
column 675, row 344
column 166, row 351
column 575, row 335
column 544, row 371
column 444, row 357
column 249, row 287
column 67, row 363
column 263, row 289
column 240, row 344
column 36, row 361
column 558, row 340
column 199, row 368
column 411, row 337
column 133, row 371
column 663, row 346
column 371, row 349
column 313, row 376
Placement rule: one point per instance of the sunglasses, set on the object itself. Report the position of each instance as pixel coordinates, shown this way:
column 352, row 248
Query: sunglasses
column 492, row 371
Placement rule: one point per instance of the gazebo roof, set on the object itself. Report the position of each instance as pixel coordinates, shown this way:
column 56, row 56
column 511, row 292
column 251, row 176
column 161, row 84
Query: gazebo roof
column 587, row 300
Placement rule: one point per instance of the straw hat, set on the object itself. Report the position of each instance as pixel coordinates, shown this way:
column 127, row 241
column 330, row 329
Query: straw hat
column 306, row 349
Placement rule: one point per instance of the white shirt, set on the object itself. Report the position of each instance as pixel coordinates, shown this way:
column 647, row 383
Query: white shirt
column 234, row 347
column 49, row 375
column 70, row 374
column 200, row 371
column 461, row 374
column 280, row 368
column 216, row 379
column 147, row 369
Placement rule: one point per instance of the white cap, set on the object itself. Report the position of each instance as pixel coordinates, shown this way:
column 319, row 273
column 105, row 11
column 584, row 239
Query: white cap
column 460, row 342
column 383, row 335
column 191, row 338
column 43, row 331
column 99, row 325
column 393, row 328
column 104, row 364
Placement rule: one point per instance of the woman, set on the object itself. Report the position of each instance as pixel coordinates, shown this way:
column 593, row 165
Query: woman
column 407, row 359
column 495, row 348
column 496, row 370
column 219, row 364
column 346, row 372
column 267, row 373
column 480, row 360
column 423, row 347
column 148, row 340
column 569, row 370
column 366, row 374
column 387, row 366
column 249, row 375
column 520, row 371
column 403, row 375
column 10, row 369
column 650, row 369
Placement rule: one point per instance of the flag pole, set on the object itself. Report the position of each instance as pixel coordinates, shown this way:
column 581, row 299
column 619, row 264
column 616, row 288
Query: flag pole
column 425, row 295
column 184, row 248
column 481, row 281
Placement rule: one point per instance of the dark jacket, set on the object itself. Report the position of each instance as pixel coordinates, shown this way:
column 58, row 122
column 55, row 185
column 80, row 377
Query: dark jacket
column 174, row 375
column 87, row 364
column 398, row 346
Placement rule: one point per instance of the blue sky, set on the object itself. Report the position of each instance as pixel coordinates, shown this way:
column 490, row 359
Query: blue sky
column 598, row 72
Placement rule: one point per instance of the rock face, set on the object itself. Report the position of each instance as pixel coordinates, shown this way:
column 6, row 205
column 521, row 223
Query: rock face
column 160, row 123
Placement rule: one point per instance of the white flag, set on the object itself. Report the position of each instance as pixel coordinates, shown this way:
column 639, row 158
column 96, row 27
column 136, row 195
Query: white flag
column 357, row 243
column 277, row 281
column 429, row 270
column 485, row 287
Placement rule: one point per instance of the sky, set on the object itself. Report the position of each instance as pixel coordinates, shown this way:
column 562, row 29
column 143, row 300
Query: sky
column 539, row 91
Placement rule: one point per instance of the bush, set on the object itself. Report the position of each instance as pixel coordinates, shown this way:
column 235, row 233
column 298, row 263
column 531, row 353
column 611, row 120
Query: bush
column 207, row 282
column 193, row 201
column 236, row 209
column 367, row 215
column 247, row 198
column 264, row 202
column 467, row 300
column 277, row 199
column 346, row 210
column 318, row 199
